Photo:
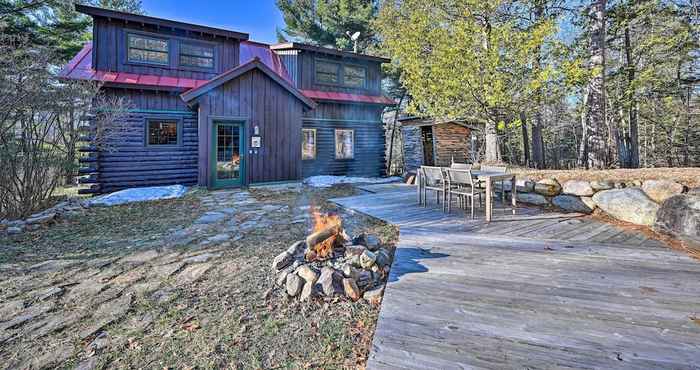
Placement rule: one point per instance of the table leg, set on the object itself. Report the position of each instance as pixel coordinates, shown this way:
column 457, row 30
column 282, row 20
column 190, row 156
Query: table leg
column 513, row 193
column 418, row 185
column 489, row 207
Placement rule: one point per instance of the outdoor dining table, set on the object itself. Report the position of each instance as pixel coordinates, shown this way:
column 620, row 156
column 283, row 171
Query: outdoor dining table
column 488, row 177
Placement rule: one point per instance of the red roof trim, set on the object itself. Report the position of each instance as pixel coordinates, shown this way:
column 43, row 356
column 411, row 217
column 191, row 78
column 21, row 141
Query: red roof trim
column 348, row 98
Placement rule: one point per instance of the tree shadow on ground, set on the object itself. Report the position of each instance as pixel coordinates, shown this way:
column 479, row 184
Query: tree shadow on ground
column 408, row 261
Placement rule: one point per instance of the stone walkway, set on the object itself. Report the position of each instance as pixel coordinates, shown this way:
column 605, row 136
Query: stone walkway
column 65, row 302
column 537, row 290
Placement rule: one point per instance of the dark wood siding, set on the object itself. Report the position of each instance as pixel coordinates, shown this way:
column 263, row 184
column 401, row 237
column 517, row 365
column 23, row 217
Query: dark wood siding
column 306, row 73
column 130, row 163
column 369, row 153
column 109, row 50
column 260, row 101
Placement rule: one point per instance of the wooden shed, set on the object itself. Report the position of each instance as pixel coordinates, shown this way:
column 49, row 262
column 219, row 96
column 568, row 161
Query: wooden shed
column 427, row 142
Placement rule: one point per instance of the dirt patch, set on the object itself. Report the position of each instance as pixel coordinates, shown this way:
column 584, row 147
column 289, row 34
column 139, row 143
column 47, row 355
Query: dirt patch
column 687, row 176
column 154, row 285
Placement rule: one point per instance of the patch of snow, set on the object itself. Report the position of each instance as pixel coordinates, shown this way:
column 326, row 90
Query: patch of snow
column 328, row 181
column 138, row 195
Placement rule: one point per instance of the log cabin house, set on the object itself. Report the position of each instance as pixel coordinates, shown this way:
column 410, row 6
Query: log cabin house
column 211, row 108
column 429, row 142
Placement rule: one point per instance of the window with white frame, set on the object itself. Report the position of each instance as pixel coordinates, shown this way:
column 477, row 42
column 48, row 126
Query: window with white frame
column 308, row 143
column 344, row 144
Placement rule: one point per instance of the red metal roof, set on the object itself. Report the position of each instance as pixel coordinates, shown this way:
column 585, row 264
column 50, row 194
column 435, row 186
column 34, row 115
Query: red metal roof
column 345, row 97
column 80, row 68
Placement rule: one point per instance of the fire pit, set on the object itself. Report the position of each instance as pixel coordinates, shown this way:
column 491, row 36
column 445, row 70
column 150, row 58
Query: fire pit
column 330, row 263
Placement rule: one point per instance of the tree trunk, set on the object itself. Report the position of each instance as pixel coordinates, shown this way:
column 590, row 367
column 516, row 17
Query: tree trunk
column 537, row 138
column 595, row 150
column 393, row 132
column 633, row 129
column 526, row 139
column 491, row 140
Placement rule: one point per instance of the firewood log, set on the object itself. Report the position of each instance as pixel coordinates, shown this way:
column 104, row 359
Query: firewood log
column 321, row 235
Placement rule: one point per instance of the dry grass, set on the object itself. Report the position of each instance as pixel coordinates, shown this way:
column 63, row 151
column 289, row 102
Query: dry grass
column 687, row 176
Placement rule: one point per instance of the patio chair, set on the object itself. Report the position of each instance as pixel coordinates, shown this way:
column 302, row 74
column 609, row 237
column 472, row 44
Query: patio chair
column 433, row 179
column 462, row 184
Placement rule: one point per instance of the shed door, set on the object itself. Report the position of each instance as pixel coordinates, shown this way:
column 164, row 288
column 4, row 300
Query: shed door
column 427, row 137
column 228, row 165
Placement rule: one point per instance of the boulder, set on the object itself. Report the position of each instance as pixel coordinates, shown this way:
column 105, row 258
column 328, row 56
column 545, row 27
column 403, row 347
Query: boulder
column 680, row 216
column 372, row 243
column 282, row 260
column 629, row 204
column 14, row 230
column 533, row 198
column 307, row 292
column 548, row 187
column 281, row 278
column 294, row 284
column 367, row 259
column 660, row 190
column 571, row 203
column 578, row 188
column 602, row 185
column 525, row 186
column 330, row 282
column 354, row 250
column 694, row 191
column 351, row 289
column 589, row 202
column 383, row 257
column 307, row 273
column 374, row 296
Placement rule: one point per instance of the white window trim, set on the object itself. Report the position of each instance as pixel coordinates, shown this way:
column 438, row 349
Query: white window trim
column 335, row 138
column 302, row 144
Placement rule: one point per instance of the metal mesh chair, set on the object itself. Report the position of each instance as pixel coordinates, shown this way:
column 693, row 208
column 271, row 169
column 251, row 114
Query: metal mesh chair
column 433, row 179
column 460, row 166
column 462, row 184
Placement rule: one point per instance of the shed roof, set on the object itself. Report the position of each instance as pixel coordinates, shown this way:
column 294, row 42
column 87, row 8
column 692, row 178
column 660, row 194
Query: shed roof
column 319, row 49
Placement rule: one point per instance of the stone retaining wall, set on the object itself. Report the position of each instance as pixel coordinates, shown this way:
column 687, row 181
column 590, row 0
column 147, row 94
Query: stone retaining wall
column 665, row 205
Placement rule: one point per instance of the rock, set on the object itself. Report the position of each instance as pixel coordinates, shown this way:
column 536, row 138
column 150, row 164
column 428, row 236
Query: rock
column 524, row 186
column 578, row 188
column 602, row 185
column 383, row 258
column 204, row 257
column 293, row 284
column 351, row 289
column 368, row 259
column 374, row 296
column 41, row 219
column 680, row 216
column 360, row 239
column 14, row 230
column 533, row 198
column 282, row 260
column 192, row 273
column 349, row 271
column 281, row 278
column 210, row 218
column 307, row 292
column 694, row 191
column 660, row 190
column 630, row 204
column 364, row 278
column 619, row 185
column 354, row 250
column 297, row 248
column 307, row 273
column 330, row 282
column 373, row 243
column 218, row 239
column 589, row 202
column 571, row 203
column 548, row 187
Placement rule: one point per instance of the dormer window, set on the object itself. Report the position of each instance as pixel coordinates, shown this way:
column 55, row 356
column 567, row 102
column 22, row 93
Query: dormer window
column 327, row 72
column 354, row 76
column 199, row 56
column 146, row 49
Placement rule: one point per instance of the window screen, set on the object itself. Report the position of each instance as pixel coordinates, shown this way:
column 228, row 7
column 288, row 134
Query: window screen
column 196, row 56
column 144, row 49
column 327, row 72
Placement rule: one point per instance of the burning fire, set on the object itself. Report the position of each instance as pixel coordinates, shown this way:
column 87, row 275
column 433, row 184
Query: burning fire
column 327, row 233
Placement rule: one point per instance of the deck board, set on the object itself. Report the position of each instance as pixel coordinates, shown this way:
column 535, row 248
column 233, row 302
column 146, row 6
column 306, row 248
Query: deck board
column 535, row 290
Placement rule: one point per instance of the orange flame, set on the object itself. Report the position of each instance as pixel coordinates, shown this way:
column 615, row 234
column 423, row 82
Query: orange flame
column 324, row 221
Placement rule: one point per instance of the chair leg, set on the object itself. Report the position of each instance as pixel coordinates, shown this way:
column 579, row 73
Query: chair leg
column 472, row 205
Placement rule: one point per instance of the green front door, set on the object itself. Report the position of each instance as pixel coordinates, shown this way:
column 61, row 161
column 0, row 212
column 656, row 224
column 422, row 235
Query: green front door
column 228, row 153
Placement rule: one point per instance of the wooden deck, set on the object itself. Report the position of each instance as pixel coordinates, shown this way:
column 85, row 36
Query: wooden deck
column 533, row 291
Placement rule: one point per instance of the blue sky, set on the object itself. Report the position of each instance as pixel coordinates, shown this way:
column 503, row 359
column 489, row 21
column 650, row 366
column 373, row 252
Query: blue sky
column 258, row 17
